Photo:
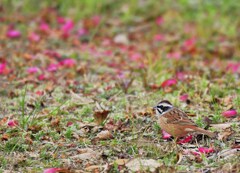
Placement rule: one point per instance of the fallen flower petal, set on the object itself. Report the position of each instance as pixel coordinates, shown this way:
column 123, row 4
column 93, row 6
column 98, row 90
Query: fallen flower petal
column 69, row 123
column 12, row 123
column 159, row 21
column 52, row 170
column 52, row 67
column 2, row 67
column 12, row 33
column 165, row 135
column 169, row 82
column 205, row 150
column 68, row 62
column 187, row 139
column 68, row 26
column 34, row 37
column 229, row 113
column 159, row 37
column 183, row 97
column 32, row 70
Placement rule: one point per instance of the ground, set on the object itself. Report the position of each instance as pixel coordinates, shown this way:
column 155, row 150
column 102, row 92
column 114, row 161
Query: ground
column 79, row 80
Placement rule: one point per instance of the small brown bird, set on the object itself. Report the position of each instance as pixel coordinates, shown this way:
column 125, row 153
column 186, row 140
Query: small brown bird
column 176, row 122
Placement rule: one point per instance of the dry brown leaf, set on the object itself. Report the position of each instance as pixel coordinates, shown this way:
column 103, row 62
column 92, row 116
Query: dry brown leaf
column 225, row 134
column 105, row 134
column 100, row 116
column 143, row 165
column 120, row 162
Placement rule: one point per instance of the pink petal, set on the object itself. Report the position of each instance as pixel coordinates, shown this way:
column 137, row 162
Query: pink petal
column 41, row 77
column 183, row 97
column 169, row 82
column 181, row 75
column 158, row 37
column 12, row 123
column 68, row 26
column 165, row 135
column 61, row 20
column 32, row 70
column 53, row 67
column 135, row 56
column 229, row 113
column 39, row 93
column 187, row 139
column 82, row 32
column 68, row 62
column 174, row 55
column 2, row 67
column 44, row 27
column 96, row 20
column 233, row 67
column 190, row 43
column 159, row 21
column 205, row 150
column 52, row 170
column 52, row 54
column 34, row 37
column 69, row 123
column 12, row 33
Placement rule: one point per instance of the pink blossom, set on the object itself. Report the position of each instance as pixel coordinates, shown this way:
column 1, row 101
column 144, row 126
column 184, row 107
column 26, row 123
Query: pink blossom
column 44, row 27
column 229, row 113
column 174, row 55
column 39, row 93
column 96, row 20
column 12, row 123
column 158, row 37
column 52, row 67
column 61, row 20
column 12, row 33
column 165, row 135
column 68, row 26
column 41, row 77
column 34, row 37
column 159, row 21
column 52, row 54
column 68, row 62
column 168, row 83
column 82, row 32
column 183, row 97
column 233, row 67
column 189, row 43
column 52, row 170
column 187, row 139
column 205, row 150
column 2, row 68
column 181, row 75
column 135, row 56
column 69, row 123
column 32, row 70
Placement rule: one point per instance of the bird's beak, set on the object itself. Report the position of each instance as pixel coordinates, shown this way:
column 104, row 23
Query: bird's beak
column 154, row 108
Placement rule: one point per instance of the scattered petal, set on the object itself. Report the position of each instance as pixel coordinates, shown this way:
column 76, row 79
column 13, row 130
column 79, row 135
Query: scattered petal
column 187, row 139
column 52, row 170
column 183, row 97
column 12, row 33
column 68, row 62
column 169, row 82
column 229, row 113
column 69, row 123
column 158, row 37
column 32, row 70
column 159, row 21
column 68, row 26
column 174, row 55
column 205, row 150
column 82, row 32
column 33, row 37
column 52, row 67
column 12, row 123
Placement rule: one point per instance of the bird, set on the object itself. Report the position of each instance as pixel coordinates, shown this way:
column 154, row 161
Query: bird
column 176, row 122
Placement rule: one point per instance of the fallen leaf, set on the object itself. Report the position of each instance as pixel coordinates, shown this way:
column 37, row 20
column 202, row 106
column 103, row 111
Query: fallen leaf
column 120, row 162
column 100, row 116
column 103, row 135
column 138, row 164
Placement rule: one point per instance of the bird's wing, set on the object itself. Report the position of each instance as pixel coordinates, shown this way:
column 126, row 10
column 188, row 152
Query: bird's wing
column 176, row 116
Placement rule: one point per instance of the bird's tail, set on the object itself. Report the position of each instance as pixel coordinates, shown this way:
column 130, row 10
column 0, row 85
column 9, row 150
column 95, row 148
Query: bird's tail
column 206, row 132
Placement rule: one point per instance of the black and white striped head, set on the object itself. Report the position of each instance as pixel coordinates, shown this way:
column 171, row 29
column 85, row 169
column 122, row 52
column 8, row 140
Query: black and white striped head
column 162, row 107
